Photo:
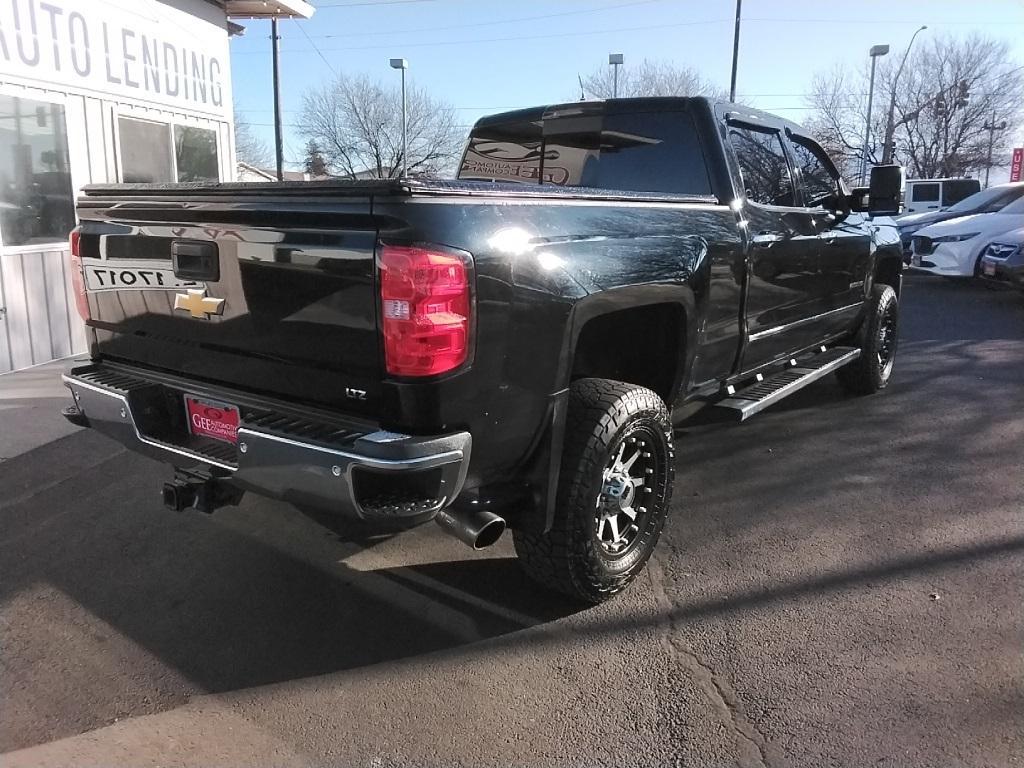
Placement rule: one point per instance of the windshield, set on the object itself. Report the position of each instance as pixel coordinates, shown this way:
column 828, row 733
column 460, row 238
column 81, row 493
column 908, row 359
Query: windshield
column 988, row 199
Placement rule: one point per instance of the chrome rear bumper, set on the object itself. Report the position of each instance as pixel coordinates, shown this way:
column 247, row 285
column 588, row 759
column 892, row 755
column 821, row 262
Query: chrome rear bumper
column 346, row 468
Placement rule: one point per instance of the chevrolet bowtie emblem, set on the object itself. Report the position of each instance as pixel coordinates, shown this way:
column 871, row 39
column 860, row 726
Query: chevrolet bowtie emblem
column 198, row 304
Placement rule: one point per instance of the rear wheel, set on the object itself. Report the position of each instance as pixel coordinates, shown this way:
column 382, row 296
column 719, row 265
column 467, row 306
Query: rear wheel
column 613, row 493
column 877, row 339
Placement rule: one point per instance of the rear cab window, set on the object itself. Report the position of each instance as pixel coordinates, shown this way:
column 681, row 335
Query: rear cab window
column 655, row 151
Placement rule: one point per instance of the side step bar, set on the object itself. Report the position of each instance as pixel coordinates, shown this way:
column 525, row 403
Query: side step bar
column 775, row 387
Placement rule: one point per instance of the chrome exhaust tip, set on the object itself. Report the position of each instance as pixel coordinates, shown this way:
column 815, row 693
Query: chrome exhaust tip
column 476, row 528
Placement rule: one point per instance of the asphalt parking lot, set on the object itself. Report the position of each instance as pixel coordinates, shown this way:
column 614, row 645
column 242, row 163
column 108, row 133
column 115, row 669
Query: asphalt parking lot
column 840, row 584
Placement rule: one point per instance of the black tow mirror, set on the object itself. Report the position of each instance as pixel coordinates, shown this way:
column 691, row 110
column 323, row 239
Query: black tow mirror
column 885, row 189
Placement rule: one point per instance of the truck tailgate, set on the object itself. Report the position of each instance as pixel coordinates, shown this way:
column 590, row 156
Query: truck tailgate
column 268, row 294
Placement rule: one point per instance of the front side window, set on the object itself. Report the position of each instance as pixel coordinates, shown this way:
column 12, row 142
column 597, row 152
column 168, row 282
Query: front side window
column 763, row 165
column 195, row 152
column 145, row 151
column 36, row 200
column 818, row 179
column 925, row 193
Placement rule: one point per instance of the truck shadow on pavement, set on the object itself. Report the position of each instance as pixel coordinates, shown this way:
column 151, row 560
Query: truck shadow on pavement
column 110, row 605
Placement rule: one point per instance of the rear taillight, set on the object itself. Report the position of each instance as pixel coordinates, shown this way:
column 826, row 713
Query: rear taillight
column 77, row 275
column 425, row 309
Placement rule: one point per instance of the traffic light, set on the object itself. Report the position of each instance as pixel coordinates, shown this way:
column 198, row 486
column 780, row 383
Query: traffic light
column 963, row 94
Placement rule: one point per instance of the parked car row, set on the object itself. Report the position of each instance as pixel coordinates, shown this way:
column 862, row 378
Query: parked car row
column 980, row 236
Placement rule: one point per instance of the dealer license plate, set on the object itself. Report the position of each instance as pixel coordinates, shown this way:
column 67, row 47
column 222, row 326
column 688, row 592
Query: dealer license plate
column 132, row 275
column 209, row 419
column 988, row 267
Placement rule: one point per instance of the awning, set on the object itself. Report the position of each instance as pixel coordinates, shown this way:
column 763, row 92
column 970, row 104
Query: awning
column 268, row 9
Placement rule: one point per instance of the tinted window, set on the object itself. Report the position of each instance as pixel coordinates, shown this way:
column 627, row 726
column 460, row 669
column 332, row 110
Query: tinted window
column 35, row 183
column 763, row 164
column 957, row 189
column 988, row 200
column 641, row 152
column 509, row 152
column 145, row 151
column 818, row 179
column 195, row 150
column 924, row 193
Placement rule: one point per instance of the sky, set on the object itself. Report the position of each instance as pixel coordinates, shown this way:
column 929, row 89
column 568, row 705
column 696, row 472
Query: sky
column 486, row 56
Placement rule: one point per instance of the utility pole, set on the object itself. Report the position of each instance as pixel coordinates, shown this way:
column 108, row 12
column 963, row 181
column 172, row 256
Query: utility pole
column 991, row 127
column 278, row 135
column 735, row 53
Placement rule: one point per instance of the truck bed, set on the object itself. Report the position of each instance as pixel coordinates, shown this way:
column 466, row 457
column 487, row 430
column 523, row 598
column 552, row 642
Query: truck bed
column 379, row 187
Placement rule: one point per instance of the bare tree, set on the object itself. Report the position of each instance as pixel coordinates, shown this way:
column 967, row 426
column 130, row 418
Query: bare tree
column 314, row 162
column 649, row 78
column 357, row 125
column 250, row 148
column 949, row 89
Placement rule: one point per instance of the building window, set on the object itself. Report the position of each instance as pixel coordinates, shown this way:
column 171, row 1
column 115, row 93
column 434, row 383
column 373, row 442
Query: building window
column 195, row 150
column 145, row 151
column 36, row 200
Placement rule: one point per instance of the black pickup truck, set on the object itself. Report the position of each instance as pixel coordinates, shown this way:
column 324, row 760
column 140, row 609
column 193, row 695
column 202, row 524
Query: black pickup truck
column 509, row 348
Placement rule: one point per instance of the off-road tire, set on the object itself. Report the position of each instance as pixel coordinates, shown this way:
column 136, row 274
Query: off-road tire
column 571, row 558
column 872, row 370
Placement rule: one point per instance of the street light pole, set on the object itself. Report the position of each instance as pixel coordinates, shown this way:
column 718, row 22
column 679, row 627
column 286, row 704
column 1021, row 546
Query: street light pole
column 735, row 53
column 403, row 65
column 875, row 52
column 889, row 128
column 991, row 128
column 615, row 59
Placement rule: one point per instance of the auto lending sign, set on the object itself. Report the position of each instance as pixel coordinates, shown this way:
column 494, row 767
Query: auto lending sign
column 144, row 50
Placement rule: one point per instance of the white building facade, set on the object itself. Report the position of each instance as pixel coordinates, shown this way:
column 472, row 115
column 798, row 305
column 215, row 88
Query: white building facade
column 99, row 91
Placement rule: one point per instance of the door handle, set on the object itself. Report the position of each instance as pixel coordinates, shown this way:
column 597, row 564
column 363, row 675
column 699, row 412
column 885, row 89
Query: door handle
column 830, row 241
column 767, row 239
column 195, row 260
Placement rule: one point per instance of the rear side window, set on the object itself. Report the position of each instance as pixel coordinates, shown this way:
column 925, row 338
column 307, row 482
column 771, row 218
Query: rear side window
column 763, row 165
column 640, row 152
column 924, row 193
column 955, row 190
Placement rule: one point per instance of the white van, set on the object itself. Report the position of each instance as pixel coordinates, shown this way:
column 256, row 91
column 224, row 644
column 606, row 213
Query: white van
column 922, row 195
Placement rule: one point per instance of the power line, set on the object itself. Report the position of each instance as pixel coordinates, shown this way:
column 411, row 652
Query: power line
column 319, row 52
column 491, row 23
column 516, row 38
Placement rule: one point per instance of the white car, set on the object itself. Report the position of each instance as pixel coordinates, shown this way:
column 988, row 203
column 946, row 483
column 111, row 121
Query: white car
column 953, row 248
